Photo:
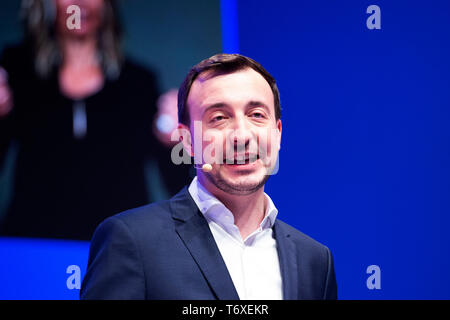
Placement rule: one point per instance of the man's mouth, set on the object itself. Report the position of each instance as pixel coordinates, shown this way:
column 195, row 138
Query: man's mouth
column 241, row 159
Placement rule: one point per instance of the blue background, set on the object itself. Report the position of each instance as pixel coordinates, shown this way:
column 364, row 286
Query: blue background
column 365, row 158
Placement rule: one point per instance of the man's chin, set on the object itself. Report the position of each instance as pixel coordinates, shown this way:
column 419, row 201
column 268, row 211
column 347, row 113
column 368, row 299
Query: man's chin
column 241, row 185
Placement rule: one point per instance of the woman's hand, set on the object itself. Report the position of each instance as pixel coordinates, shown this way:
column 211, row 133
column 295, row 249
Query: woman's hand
column 6, row 103
column 166, row 119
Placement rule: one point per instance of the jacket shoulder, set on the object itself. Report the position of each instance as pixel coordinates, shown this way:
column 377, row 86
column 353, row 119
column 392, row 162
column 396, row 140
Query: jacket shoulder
column 316, row 261
column 147, row 216
column 153, row 219
column 301, row 238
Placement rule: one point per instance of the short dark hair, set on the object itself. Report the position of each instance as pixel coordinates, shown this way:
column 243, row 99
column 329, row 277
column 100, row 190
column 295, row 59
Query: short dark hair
column 222, row 64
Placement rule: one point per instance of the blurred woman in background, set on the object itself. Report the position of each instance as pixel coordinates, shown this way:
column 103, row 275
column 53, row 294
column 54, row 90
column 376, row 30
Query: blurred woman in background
column 79, row 116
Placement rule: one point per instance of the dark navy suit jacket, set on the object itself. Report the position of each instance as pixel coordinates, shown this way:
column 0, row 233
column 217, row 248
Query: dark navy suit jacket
column 167, row 251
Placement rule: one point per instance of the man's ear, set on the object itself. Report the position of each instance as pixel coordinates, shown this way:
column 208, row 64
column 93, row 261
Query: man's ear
column 279, row 127
column 185, row 137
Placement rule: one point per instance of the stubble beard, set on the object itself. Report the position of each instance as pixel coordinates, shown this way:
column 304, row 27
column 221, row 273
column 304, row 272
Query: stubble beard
column 242, row 189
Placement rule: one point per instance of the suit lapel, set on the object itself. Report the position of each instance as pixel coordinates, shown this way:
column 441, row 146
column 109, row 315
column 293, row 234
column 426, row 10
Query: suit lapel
column 287, row 255
column 194, row 231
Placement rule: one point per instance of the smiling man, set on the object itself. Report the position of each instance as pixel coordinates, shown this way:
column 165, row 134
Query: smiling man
column 218, row 238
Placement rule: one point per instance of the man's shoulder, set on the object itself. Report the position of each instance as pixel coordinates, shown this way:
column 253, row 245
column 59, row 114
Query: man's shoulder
column 153, row 216
column 157, row 211
column 301, row 239
column 143, row 224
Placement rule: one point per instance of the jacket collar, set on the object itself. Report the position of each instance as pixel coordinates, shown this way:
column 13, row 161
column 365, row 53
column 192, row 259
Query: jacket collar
column 194, row 231
column 287, row 255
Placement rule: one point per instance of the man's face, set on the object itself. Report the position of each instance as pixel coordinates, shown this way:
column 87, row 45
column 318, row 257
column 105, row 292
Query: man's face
column 240, row 136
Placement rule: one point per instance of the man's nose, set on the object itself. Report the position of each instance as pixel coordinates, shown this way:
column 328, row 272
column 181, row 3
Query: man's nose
column 241, row 134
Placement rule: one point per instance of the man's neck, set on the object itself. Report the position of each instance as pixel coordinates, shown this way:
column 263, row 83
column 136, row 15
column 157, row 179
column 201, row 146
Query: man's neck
column 248, row 210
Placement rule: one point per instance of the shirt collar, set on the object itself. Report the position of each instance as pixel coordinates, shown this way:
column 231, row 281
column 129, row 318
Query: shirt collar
column 212, row 208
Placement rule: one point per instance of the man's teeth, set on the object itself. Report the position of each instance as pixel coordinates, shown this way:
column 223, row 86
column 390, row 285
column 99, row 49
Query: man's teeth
column 241, row 161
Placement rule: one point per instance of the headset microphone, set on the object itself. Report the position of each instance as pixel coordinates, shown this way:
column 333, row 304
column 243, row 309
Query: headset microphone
column 205, row 168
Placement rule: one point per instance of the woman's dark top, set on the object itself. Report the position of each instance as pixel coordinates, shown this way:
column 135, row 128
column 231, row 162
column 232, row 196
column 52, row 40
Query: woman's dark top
column 65, row 185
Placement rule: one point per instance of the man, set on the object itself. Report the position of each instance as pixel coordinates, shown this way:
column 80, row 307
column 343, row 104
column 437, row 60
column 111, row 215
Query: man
column 218, row 238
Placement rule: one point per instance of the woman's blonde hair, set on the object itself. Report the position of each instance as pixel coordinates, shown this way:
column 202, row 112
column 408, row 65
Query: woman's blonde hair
column 39, row 19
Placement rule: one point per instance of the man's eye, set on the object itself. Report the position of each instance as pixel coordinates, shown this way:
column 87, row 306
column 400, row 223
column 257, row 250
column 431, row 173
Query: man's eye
column 257, row 115
column 217, row 118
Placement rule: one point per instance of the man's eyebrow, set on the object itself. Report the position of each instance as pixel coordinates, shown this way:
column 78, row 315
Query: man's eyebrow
column 252, row 104
column 218, row 105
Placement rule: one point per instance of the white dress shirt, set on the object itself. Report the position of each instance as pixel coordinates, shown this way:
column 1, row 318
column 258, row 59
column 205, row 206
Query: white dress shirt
column 252, row 262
